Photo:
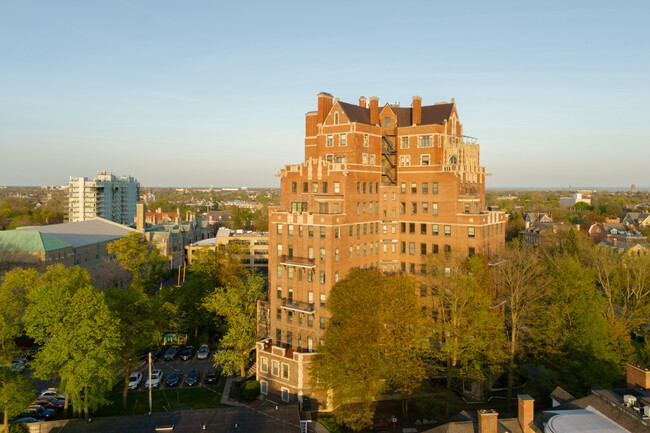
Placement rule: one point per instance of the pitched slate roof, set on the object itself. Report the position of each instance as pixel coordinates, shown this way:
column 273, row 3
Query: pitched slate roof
column 29, row 242
column 82, row 233
column 431, row 114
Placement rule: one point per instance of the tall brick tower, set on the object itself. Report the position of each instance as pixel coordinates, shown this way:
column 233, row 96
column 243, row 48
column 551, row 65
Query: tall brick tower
column 379, row 188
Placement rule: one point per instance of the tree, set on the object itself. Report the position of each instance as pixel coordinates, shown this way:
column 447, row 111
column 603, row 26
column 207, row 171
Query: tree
column 79, row 334
column 570, row 335
column 237, row 302
column 373, row 341
column 466, row 320
column 16, row 392
column 132, row 253
column 519, row 280
column 139, row 326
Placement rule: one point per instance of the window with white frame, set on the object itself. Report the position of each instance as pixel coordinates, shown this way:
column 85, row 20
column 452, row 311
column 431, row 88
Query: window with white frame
column 425, row 141
column 425, row 159
column 264, row 364
column 372, row 159
column 343, row 140
column 405, row 160
column 404, row 143
column 285, row 371
column 285, row 395
column 366, row 140
column 264, row 387
column 275, row 368
column 330, row 141
column 364, row 159
column 329, row 157
column 337, row 187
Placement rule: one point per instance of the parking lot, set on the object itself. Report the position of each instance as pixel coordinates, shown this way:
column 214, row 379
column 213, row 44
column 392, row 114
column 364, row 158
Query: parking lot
column 202, row 366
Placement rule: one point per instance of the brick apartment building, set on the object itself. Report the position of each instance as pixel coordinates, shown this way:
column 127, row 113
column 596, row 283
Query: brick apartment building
column 380, row 187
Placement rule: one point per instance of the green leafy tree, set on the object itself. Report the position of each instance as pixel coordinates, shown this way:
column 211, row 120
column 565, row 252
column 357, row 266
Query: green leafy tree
column 466, row 323
column 16, row 392
column 373, row 342
column 237, row 302
column 140, row 326
column 80, row 335
column 139, row 257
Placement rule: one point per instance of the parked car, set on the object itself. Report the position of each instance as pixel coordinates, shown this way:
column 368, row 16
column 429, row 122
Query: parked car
column 50, row 403
column 39, row 412
column 203, row 352
column 187, row 353
column 51, row 392
column 25, row 420
column 135, row 379
column 212, row 377
column 174, row 379
column 156, row 379
column 192, row 378
column 171, row 353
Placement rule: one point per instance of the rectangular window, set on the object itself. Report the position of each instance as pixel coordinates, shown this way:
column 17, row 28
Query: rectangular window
column 344, row 140
column 447, row 249
column 434, row 188
column 279, row 251
column 337, row 255
column 466, row 208
column 434, row 248
column 279, row 229
column 414, row 208
column 285, row 395
column 434, row 229
column 402, row 187
column 275, row 366
column 310, row 231
column 412, row 228
column 403, row 247
column 386, row 122
column 323, row 208
column 423, row 229
column 425, row 141
column 289, row 320
column 423, row 290
column 424, row 159
column 337, row 187
column 310, row 276
column 434, row 209
column 336, row 276
column 290, row 272
column 264, row 364
column 372, row 159
column 322, row 300
column 364, row 159
column 278, row 314
column 423, row 249
column 402, row 207
column 290, row 230
column 310, row 252
column 314, row 187
column 329, row 157
column 414, row 188
column 404, row 143
column 321, row 255
column 425, row 207
column 411, row 248
column 447, row 230
column 278, row 271
column 324, row 188
column 278, row 292
column 351, row 252
column 405, row 160
column 264, row 387
column 322, row 323
column 310, row 321
column 294, row 187
column 321, row 277
column 330, row 141
column 322, row 232
column 285, row 371
column 299, row 206
column 470, row 232
column 425, row 187
column 366, row 141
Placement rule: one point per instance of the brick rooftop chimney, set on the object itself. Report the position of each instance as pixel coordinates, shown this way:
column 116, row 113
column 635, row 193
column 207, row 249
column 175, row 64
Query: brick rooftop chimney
column 417, row 110
column 525, row 411
column 324, row 106
column 374, row 110
column 487, row 421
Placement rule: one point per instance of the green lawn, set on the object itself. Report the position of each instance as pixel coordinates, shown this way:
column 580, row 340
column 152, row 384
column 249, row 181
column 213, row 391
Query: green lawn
column 164, row 400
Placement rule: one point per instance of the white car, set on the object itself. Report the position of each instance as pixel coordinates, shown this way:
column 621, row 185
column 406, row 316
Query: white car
column 135, row 380
column 204, row 351
column 156, row 379
column 51, row 392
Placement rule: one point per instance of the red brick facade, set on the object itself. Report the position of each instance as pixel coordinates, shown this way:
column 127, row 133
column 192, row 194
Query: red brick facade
column 637, row 376
column 380, row 187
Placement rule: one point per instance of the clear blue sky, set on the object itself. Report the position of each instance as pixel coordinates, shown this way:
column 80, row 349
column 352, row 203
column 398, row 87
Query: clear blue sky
column 214, row 92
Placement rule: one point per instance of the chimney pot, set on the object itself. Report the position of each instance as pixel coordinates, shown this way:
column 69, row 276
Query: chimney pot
column 487, row 421
column 362, row 101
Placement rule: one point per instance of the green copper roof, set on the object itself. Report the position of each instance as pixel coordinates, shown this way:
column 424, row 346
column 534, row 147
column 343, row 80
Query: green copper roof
column 29, row 242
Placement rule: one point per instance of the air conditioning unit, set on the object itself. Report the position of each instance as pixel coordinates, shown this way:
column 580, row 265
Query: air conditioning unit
column 629, row 400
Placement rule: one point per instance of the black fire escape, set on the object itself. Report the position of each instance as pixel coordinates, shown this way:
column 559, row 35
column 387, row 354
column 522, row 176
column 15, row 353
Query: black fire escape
column 388, row 163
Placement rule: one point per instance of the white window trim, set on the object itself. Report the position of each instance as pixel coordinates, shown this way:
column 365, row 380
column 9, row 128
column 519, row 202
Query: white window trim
column 264, row 387
column 262, row 365
column 282, row 371
column 282, row 390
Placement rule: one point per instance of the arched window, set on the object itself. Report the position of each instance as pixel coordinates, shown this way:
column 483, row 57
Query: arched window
column 336, row 118
column 453, row 160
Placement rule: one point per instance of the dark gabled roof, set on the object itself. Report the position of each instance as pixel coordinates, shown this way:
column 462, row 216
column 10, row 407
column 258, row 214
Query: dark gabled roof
column 356, row 113
column 431, row 114
column 561, row 396
column 436, row 114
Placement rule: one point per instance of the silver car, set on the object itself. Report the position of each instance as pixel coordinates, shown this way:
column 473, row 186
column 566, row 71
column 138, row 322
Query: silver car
column 204, row 351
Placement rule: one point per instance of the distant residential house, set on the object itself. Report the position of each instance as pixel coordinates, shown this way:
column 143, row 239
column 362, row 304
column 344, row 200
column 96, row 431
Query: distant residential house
column 620, row 232
column 636, row 219
column 537, row 218
column 537, row 225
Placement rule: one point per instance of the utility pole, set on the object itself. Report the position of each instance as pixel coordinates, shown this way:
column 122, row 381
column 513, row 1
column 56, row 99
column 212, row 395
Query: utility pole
column 150, row 403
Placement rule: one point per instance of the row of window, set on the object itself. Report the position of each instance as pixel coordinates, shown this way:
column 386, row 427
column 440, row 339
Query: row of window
column 299, row 272
column 343, row 139
column 316, row 187
column 424, row 207
column 264, row 389
column 424, row 188
column 288, row 338
column 310, row 297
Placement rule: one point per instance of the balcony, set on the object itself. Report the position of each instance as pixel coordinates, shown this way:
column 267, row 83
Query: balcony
column 301, row 262
column 301, row 307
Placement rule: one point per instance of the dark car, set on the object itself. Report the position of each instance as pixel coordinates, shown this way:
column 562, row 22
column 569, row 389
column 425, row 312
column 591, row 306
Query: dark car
column 187, row 353
column 50, row 403
column 25, row 420
column 39, row 412
column 192, row 378
column 171, row 353
column 212, row 377
column 173, row 379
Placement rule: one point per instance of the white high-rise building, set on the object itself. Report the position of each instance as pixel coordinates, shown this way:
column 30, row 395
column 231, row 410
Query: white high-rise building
column 107, row 196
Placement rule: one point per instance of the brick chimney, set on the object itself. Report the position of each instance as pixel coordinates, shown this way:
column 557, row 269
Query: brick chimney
column 324, row 106
column 374, row 110
column 177, row 220
column 637, row 376
column 139, row 217
column 525, row 412
column 417, row 110
column 362, row 101
column 487, row 421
